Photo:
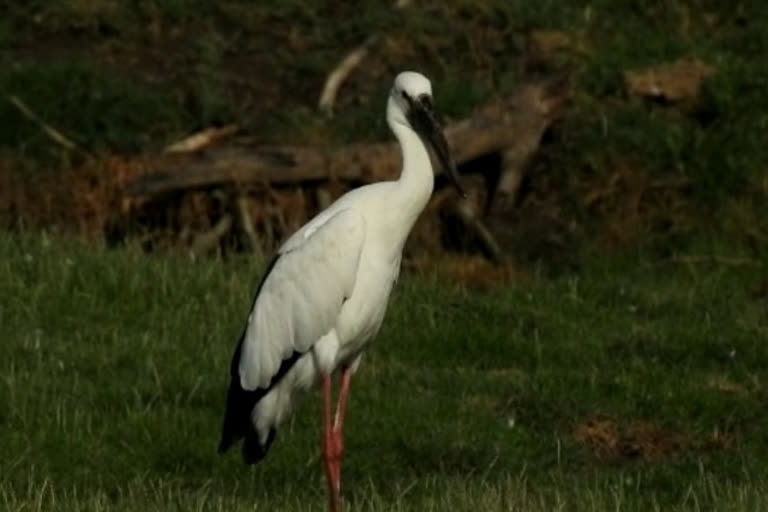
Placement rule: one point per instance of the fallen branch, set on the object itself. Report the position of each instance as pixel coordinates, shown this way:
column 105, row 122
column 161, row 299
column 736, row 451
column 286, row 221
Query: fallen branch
column 54, row 134
column 467, row 213
column 339, row 74
column 246, row 224
column 209, row 240
column 200, row 140
column 511, row 125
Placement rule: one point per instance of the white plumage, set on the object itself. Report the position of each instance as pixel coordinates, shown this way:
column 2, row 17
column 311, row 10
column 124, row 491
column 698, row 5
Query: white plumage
column 326, row 293
column 301, row 311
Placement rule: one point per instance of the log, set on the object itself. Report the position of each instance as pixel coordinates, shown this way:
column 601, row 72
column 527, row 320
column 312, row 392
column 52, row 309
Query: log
column 513, row 125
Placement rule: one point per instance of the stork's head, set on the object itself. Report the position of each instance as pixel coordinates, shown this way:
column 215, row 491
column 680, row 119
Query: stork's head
column 410, row 104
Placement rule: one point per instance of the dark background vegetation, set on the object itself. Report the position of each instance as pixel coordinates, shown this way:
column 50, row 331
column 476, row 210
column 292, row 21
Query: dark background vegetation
column 633, row 378
column 128, row 78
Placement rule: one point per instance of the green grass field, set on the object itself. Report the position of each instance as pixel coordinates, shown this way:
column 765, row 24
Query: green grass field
column 629, row 381
column 638, row 384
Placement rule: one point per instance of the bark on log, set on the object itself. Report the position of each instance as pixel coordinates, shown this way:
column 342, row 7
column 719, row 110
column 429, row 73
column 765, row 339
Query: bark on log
column 513, row 125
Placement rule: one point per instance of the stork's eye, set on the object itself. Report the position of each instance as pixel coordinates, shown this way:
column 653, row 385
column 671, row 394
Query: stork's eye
column 404, row 94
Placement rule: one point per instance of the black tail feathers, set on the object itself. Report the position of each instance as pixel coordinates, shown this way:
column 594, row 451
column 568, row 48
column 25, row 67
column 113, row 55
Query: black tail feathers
column 238, row 425
column 240, row 403
column 253, row 450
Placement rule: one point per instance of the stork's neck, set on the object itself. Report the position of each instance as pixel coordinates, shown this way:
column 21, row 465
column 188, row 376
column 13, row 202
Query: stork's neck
column 417, row 178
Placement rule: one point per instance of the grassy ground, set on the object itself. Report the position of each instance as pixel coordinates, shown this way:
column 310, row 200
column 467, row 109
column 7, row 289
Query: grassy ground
column 639, row 384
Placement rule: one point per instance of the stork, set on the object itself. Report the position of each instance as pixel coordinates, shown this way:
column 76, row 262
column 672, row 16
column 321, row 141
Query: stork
column 325, row 293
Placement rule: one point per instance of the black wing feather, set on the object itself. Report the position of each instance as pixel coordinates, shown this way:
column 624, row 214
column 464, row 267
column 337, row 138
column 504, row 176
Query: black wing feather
column 240, row 402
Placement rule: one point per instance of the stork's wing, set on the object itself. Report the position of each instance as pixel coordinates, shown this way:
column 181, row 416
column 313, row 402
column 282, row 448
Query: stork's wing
column 301, row 297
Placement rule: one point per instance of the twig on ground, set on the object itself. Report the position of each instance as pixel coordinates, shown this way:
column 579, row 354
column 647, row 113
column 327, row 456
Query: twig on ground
column 246, row 223
column 209, row 240
column 200, row 140
column 324, row 198
column 339, row 74
column 466, row 212
column 512, row 174
column 49, row 130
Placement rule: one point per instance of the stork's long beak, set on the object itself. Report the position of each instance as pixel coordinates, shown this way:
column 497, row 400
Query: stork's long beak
column 423, row 119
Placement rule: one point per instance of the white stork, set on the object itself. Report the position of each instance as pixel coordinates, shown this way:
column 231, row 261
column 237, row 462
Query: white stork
column 323, row 297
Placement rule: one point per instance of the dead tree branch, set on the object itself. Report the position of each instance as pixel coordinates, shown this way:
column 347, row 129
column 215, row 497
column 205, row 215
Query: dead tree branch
column 511, row 125
column 339, row 74
column 52, row 133
column 209, row 240
column 200, row 140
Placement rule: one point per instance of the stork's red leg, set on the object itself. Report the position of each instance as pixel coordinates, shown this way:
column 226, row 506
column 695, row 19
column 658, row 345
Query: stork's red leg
column 331, row 451
column 333, row 439
column 341, row 406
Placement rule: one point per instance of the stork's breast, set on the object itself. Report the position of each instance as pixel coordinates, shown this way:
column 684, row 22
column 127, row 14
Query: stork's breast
column 363, row 313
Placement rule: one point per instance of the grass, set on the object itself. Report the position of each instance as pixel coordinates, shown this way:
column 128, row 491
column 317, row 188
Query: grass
column 636, row 384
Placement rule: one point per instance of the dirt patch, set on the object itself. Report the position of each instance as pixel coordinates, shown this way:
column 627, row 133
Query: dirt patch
column 469, row 272
column 676, row 82
column 726, row 385
column 633, row 205
column 544, row 44
column 613, row 441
